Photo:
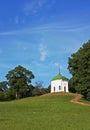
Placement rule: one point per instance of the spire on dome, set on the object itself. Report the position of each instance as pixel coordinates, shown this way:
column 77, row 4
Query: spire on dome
column 59, row 69
column 59, row 76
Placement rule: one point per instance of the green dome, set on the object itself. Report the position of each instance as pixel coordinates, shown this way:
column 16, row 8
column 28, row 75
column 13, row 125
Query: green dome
column 59, row 76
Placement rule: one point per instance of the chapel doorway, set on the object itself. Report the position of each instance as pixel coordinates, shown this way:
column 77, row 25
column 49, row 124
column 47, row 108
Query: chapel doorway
column 54, row 89
column 64, row 89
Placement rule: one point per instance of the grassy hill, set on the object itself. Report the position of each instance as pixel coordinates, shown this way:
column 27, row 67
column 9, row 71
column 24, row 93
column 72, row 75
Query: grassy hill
column 48, row 112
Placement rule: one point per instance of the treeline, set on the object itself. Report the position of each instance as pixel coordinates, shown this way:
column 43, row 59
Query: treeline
column 19, row 85
column 79, row 67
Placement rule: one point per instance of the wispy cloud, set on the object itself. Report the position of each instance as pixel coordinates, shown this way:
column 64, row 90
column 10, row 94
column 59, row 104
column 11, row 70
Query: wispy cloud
column 32, row 7
column 16, row 20
column 36, row 6
column 63, row 28
column 43, row 52
column 45, row 28
column 57, row 64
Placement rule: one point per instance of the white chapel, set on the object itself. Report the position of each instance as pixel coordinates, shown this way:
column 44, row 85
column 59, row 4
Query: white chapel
column 59, row 83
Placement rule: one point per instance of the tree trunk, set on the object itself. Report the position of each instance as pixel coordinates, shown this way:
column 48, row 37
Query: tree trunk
column 17, row 95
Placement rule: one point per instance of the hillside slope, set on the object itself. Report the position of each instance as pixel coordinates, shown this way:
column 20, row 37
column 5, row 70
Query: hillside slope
column 47, row 112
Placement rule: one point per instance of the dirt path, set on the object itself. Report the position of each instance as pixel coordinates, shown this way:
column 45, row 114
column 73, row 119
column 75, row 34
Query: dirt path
column 75, row 100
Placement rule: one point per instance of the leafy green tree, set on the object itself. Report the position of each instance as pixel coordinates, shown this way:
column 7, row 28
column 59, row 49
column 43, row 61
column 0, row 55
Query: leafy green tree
column 79, row 67
column 71, row 85
column 9, row 94
column 3, row 86
column 19, row 79
column 3, row 89
column 49, row 89
column 29, row 91
column 1, row 96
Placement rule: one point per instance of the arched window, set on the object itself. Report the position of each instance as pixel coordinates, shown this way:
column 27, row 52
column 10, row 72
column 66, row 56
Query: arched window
column 64, row 89
column 59, row 87
column 54, row 89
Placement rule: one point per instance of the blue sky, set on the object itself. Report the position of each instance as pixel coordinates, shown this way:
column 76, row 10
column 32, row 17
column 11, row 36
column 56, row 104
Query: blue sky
column 40, row 35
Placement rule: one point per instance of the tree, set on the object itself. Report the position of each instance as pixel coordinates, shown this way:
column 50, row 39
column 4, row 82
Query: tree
column 71, row 86
column 19, row 79
column 29, row 91
column 38, row 89
column 3, row 86
column 48, row 90
column 9, row 94
column 79, row 67
column 3, row 89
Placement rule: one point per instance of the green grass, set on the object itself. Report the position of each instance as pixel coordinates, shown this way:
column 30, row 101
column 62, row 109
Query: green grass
column 84, row 101
column 49, row 112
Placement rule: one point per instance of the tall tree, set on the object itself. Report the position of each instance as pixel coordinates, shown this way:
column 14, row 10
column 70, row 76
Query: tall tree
column 19, row 80
column 79, row 67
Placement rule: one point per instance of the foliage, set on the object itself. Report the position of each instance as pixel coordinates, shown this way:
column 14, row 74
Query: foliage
column 9, row 94
column 1, row 96
column 3, row 86
column 18, row 85
column 38, row 89
column 79, row 67
column 71, row 85
column 19, row 80
column 48, row 90
column 3, row 89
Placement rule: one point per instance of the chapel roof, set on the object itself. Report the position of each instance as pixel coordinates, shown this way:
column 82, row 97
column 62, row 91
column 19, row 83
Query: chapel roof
column 58, row 77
